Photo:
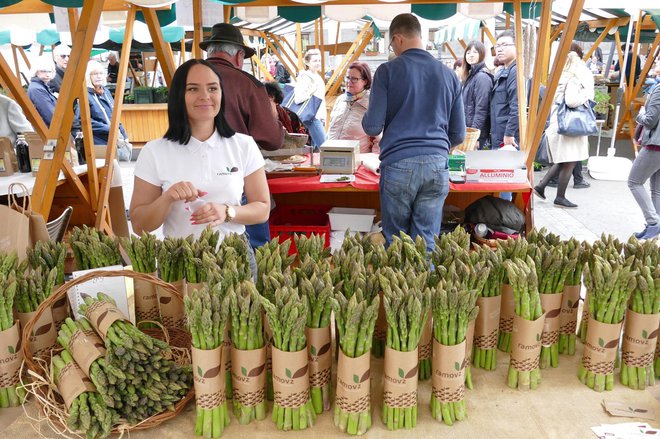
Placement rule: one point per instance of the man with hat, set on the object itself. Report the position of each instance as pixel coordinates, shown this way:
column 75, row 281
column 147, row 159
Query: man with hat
column 61, row 57
column 247, row 107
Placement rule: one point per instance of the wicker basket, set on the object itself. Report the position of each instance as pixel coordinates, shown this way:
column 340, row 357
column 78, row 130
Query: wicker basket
column 175, row 337
column 471, row 139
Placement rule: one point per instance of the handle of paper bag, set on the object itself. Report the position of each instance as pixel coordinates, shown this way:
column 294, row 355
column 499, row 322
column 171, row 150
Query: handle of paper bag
column 23, row 207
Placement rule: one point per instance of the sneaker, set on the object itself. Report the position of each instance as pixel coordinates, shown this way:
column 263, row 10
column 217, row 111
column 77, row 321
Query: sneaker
column 651, row 231
column 638, row 235
column 552, row 183
column 563, row 202
column 581, row 185
column 539, row 192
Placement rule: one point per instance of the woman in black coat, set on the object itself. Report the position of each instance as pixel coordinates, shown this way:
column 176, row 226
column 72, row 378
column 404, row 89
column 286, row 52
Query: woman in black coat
column 477, row 87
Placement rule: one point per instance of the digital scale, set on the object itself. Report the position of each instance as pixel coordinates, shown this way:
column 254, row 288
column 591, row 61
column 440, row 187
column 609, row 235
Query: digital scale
column 339, row 156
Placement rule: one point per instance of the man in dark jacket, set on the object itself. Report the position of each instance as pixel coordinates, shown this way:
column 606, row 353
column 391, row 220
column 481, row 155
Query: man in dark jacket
column 61, row 57
column 504, row 101
column 247, row 107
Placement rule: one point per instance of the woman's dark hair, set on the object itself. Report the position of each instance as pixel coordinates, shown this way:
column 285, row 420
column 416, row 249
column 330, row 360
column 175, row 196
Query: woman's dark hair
column 275, row 91
column 575, row 47
column 458, row 64
column 177, row 115
column 479, row 47
column 365, row 72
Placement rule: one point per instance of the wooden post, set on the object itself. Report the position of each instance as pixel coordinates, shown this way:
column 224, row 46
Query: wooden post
column 49, row 170
column 25, row 58
column 182, row 52
column 560, row 60
column 198, row 29
column 448, row 47
column 619, row 52
column 462, row 43
column 556, row 33
column 520, row 70
column 88, row 139
column 226, row 12
column 337, row 37
column 262, row 68
column 508, row 21
column 281, row 54
column 102, row 222
column 488, row 33
column 316, row 33
column 322, row 43
column 163, row 49
column 630, row 81
column 353, row 53
column 14, row 52
column 601, row 37
column 299, row 47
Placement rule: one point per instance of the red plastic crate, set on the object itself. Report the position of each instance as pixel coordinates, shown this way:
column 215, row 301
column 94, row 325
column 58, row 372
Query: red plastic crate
column 286, row 220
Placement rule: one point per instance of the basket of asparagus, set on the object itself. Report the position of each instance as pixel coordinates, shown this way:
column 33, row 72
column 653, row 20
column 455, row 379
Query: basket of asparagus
column 132, row 379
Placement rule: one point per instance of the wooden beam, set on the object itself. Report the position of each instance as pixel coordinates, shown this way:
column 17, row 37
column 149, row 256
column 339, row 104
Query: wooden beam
column 26, row 60
column 540, row 67
column 83, row 38
column 335, row 81
column 337, row 36
column 163, row 49
column 600, row 39
column 198, row 29
column 226, row 13
column 13, row 85
column 488, row 33
column 594, row 24
column 650, row 59
column 281, row 53
column 619, row 52
column 102, row 222
column 508, row 21
column 262, row 68
column 37, row 6
column 322, row 40
column 316, row 33
column 448, row 47
column 88, row 140
column 520, row 77
column 17, row 68
column 73, row 16
column 555, row 34
column 560, row 60
column 462, row 43
column 299, row 47
column 630, row 81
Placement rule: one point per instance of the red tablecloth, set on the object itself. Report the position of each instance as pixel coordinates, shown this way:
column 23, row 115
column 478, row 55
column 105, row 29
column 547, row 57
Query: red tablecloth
column 364, row 179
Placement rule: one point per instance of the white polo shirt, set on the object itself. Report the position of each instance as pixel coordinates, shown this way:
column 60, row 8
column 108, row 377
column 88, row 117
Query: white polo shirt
column 217, row 166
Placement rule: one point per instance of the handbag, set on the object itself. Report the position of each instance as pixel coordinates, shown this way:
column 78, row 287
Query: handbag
column 542, row 154
column 576, row 122
column 305, row 110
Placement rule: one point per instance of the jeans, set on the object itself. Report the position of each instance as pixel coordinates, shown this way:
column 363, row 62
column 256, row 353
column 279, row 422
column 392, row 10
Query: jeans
column 316, row 132
column 646, row 167
column 412, row 194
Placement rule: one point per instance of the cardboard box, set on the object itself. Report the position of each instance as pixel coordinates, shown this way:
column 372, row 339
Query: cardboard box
column 495, row 167
column 495, row 175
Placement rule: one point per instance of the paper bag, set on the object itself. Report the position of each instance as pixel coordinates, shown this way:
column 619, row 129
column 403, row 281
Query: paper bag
column 37, row 224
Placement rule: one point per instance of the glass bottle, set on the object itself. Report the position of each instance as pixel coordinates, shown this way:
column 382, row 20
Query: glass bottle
column 80, row 148
column 22, row 154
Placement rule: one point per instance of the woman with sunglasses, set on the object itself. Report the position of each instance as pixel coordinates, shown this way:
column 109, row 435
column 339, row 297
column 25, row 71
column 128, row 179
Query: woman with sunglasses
column 349, row 108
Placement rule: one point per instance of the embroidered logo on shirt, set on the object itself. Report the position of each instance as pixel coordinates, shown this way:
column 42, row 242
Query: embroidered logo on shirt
column 226, row 171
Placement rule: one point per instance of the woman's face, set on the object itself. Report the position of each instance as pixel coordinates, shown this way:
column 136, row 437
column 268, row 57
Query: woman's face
column 45, row 75
column 314, row 63
column 472, row 56
column 203, row 94
column 97, row 78
column 354, row 82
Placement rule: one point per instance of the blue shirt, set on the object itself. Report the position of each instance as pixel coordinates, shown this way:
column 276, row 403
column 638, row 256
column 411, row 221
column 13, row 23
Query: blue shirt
column 416, row 102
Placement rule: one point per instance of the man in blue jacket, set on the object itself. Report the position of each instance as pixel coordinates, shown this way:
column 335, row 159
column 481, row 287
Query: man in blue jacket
column 504, row 128
column 416, row 103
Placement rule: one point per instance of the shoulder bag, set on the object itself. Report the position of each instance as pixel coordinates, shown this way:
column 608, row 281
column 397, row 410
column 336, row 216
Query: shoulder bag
column 576, row 122
column 306, row 110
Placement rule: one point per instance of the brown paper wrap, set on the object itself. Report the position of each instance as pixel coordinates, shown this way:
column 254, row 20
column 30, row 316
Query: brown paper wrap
column 268, row 333
column 526, row 343
column 319, row 349
column 400, row 386
column 60, row 309
column 102, row 315
column 585, row 311
column 488, row 322
column 600, row 346
column 146, row 300
column 551, row 304
column 248, row 372
column 640, row 334
column 657, row 347
column 353, row 383
column 226, row 345
column 11, row 356
column 449, row 372
column 507, row 309
column 86, row 347
column 569, row 309
column 208, row 377
column 43, row 335
column 380, row 330
column 290, row 378
column 425, row 341
column 469, row 338
column 193, row 286
column 71, row 382
column 171, row 307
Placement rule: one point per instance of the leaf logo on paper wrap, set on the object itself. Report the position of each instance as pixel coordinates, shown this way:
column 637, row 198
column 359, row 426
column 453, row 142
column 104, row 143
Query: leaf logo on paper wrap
column 298, row 374
column 254, row 372
column 609, row 345
column 211, row 373
column 553, row 313
column 365, row 376
column 12, row 350
column 42, row 330
column 410, row 374
column 165, row 300
column 317, row 353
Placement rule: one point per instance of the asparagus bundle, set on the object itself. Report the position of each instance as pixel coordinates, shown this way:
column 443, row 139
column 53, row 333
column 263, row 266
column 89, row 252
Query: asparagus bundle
column 575, row 251
column 48, row 255
column 452, row 312
column 407, row 303
column 93, row 248
column 142, row 253
column 171, row 267
column 640, row 332
column 248, row 354
column 206, row 314
column 81, row 342
column 86, row 410
column 273, row 255
column 153, row 383
column 11, row 356
column 356, row 319
column 234, row 250
column 512, row 249
column 317, row 292
column 312, row 246
column 210, row 237
column 32, row 288
column 552, row 269
column 404, row 251
column 349, row 273
column 524, row 372
column 293, row 409
column 199, row 260
column 609, row 286
column 484, row 352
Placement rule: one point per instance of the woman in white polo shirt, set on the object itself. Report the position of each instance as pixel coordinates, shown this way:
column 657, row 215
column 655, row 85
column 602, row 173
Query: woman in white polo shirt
column 195, row 175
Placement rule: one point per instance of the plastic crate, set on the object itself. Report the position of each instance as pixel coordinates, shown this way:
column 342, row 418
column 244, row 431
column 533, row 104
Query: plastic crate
column 143, row 96
column 285, row 221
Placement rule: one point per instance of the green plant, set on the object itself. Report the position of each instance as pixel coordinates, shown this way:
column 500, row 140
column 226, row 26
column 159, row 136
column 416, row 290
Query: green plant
column 602, row 100
column 129, row 98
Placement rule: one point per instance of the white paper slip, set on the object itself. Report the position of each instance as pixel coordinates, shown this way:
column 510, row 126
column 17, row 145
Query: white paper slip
column 115, row 287
column 337, row 178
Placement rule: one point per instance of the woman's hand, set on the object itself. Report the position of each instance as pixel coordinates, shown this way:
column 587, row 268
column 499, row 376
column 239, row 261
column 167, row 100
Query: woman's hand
column 183, row 191
column 210, row 213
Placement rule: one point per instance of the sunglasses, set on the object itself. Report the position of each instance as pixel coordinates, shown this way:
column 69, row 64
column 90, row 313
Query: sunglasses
column 64, row 56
